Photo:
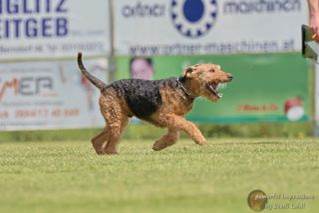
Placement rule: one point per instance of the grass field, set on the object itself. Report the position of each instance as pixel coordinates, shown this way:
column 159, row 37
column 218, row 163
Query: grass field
column 69, row 177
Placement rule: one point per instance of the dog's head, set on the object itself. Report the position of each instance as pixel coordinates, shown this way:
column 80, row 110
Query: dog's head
column 206, row 79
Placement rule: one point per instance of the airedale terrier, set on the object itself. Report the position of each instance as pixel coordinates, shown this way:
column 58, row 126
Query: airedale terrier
column 163, row 103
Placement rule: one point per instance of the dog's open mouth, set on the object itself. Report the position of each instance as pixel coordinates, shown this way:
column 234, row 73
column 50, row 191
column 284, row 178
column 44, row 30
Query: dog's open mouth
column 215, row 88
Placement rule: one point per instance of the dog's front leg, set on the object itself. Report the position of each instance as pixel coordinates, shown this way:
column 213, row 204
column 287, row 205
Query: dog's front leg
column 180, row 123
column 167, row 140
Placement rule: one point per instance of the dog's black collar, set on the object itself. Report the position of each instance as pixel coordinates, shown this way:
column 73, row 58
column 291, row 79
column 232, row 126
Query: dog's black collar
column 181, row 81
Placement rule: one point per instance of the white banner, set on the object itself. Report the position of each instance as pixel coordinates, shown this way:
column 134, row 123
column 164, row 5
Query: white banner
column 44, row 95
column 53, row 28
column 186, row 27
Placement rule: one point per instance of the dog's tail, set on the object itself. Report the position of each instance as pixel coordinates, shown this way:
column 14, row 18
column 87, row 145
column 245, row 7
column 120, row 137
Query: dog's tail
column 95, row 81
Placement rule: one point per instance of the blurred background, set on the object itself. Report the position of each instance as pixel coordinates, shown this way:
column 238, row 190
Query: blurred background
column 258, row 41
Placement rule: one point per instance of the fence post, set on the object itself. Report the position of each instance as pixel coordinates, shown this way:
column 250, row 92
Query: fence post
column 112, row 64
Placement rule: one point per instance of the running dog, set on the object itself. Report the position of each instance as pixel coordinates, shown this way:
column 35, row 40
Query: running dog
column 163, row 103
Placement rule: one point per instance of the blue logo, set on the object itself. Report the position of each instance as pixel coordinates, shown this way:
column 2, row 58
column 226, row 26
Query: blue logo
column 194, row 18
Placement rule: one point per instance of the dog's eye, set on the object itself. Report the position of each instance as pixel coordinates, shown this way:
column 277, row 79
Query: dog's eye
column 212, row 70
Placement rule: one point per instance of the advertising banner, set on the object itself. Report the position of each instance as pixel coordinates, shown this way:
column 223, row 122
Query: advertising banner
column 36, row 29
column 265, row 87
column 316, row 67
column 44, row 95
column 189, row 27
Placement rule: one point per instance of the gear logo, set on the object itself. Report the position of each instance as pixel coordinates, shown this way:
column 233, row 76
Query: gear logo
column 194, row 18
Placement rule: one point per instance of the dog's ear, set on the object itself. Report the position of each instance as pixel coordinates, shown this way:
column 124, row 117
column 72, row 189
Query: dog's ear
column 188, row 71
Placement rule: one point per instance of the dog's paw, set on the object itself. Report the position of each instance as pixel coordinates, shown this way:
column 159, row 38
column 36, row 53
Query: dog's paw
column 111, row 152
column 99, row 152
column 202, row 143
column 159, row 146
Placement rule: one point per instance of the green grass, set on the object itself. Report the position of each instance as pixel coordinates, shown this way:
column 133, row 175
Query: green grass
column 146, row 131
column 69, row 177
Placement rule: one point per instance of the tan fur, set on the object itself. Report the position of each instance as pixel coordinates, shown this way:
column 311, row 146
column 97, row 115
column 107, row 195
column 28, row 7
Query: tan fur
column 116, row 115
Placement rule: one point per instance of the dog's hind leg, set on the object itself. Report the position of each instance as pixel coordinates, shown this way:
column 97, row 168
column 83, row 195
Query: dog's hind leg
column 99, row 140
column 166, row 140
column 115, row 130
column 116, row 119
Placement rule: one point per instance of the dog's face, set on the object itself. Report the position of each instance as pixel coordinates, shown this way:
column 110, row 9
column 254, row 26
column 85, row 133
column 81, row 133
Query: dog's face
column 206, row 79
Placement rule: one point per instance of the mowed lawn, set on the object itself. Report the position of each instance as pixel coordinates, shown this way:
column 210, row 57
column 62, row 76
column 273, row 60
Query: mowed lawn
column 69, row 177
